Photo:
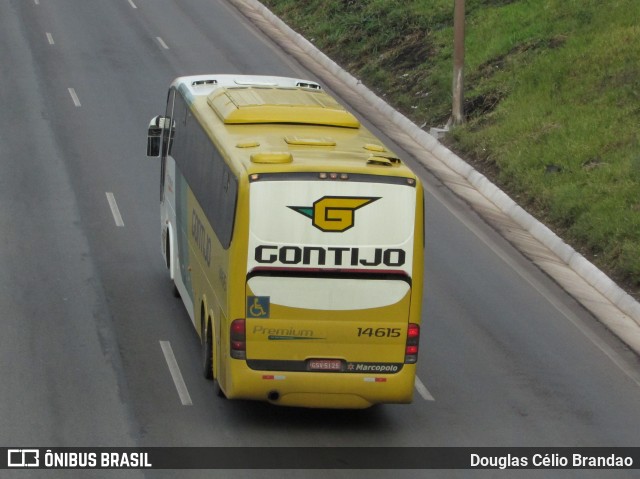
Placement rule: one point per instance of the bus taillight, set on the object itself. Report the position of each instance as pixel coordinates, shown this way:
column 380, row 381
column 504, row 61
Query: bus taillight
column 238, row 339
column 412, row 346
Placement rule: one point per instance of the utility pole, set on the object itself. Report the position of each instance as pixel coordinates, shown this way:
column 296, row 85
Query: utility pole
column 458, row 63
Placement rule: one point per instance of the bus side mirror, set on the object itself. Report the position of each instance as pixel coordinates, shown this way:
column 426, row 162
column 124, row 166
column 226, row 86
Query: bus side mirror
column 154, row 136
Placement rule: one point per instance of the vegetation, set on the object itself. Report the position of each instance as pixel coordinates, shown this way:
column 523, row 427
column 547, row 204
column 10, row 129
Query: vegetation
column 552, row 99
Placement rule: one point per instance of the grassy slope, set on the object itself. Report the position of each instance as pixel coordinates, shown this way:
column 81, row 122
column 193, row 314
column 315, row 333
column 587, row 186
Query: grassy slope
column 552, row 97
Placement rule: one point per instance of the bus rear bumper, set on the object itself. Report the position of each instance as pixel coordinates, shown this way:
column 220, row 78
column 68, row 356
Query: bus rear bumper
column 324, row 390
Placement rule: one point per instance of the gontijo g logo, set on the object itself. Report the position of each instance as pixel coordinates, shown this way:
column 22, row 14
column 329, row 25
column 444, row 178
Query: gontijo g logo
column 334, row 214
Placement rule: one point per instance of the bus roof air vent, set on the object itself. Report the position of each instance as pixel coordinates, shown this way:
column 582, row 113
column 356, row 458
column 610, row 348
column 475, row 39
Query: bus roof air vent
column 382, row 161
column 272, row 158
column 207, row 81
column 310, row 85
column 374, row 147
column 248, row 144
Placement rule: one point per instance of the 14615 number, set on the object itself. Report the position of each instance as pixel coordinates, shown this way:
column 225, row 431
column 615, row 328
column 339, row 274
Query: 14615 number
column 380, row 332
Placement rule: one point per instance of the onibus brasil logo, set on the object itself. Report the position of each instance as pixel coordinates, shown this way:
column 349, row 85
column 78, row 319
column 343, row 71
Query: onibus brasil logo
column 334, row 214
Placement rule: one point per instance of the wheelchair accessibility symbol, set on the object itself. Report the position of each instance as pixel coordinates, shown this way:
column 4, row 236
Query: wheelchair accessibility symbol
column 258, row 307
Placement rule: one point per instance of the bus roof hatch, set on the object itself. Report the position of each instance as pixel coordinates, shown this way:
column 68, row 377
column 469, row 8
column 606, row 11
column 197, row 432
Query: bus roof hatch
column 279, row 105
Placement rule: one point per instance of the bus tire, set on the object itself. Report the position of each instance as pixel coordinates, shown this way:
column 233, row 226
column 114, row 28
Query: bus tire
column 207, row 351
column 218, row 390
column 207, row 360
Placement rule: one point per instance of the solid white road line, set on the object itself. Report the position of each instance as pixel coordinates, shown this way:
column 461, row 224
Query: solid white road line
column 114, row 209
column 74, row 97
column 175, row 373
column 50, row 38
column 423, row 391
column 162, row 43
column 133, row 5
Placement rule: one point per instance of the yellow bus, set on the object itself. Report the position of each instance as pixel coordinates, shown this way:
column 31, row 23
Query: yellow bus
column 294, row 238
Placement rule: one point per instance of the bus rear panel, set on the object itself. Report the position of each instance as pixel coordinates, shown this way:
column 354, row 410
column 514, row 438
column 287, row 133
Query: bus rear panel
column 329, row 290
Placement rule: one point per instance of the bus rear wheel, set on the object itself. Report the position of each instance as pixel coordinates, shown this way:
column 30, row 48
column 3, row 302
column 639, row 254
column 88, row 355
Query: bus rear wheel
column 207, row 352
column 207, row 359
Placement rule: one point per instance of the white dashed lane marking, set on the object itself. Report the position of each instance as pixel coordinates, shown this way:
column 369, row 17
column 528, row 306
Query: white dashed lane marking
column 115, row 211
column 185, row 398
column 423, row 391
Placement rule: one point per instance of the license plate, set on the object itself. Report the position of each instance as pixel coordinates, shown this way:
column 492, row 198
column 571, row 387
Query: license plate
column 325, row 364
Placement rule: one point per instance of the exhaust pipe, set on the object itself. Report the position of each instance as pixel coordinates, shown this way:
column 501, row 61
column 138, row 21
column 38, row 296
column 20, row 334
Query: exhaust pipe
column 273, row 396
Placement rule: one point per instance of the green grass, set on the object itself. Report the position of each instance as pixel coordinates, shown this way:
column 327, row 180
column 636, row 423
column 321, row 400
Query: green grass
column 552, row 99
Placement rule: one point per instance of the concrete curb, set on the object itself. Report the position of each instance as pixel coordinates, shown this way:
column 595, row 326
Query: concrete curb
column 346, row 84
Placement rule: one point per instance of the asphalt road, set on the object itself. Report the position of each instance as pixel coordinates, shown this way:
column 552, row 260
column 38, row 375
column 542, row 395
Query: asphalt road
column 507, row 359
